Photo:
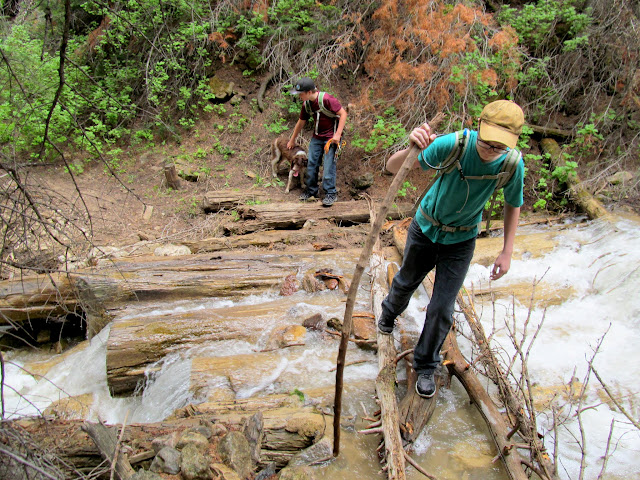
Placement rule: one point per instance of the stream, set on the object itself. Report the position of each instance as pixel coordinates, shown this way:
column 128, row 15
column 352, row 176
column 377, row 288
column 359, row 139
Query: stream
column 586, row 283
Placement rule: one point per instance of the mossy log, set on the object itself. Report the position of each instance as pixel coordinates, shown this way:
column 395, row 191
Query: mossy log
column 578, row 191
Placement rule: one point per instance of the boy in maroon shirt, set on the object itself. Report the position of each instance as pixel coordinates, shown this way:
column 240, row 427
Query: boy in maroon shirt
column 330, row 118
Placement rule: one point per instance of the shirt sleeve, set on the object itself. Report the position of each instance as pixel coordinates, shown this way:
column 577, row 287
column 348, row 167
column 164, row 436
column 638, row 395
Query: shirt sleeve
column 513, row 190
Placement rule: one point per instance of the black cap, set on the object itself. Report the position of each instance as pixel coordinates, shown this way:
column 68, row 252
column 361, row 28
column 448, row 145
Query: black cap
column 305, row 84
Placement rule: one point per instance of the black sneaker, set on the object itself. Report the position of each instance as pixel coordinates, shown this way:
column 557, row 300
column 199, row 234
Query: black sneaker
column 384, row 327
column 329, row 199
column 426, row 385
column 305, row 196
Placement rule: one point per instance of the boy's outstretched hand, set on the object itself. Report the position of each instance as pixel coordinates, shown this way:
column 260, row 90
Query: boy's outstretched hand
column 422, row 136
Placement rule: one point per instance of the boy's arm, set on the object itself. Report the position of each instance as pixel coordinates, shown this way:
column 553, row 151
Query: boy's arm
column 503, row 262
column 296, row 130
column 342, row 119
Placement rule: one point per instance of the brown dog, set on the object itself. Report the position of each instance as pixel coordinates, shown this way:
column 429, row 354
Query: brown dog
column 297, row 158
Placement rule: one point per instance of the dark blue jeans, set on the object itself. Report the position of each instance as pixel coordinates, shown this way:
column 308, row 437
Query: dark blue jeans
column 451, row 262
column 316, row 157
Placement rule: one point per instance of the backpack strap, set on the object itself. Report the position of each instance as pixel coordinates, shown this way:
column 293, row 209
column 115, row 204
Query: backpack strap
column 321, row 109
column 449, row 164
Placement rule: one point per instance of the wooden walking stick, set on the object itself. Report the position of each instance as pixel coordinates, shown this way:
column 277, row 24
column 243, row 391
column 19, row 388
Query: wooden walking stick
column 407, row 164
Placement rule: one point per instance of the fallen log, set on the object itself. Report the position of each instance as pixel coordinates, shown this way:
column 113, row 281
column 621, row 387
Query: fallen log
column 585, row 201
column 229, row 199
column 36, row 297
column 386, row 380
column 330, row 234
column 295, row 215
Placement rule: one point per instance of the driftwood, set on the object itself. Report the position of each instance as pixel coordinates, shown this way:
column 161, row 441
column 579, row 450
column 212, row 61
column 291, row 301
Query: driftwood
column 579, row 193
column 514, row 406
column 295, row 215
column 108, row 444
column 386, row 380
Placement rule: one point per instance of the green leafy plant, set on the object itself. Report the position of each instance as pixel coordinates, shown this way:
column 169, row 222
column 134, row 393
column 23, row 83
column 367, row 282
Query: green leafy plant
column 406, row 187
column 278, row 126
column 387, row 131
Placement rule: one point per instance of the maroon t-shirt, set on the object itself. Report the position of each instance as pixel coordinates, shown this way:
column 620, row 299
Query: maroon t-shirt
column 326, row 125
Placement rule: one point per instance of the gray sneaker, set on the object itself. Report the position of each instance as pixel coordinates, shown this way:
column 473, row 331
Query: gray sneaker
column 426, row 385
column 305, row 196
column 329, row 199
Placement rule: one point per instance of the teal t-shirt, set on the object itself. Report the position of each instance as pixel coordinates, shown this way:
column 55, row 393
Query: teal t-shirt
column 456, row 202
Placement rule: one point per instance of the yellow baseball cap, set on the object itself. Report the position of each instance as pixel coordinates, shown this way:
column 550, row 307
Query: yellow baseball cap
column 501, row 121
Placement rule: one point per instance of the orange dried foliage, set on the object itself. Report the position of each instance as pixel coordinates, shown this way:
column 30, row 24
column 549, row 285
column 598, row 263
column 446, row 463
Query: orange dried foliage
column 490, row 77
column 504, row 39
column 217, row 38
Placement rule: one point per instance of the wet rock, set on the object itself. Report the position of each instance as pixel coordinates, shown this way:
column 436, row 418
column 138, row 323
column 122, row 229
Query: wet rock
column 171, row 250
column 159, row 443
column 196, row 439
column 296, row 473
column 312, row 284
column 235, row 451
column 287, row 335
column 290, row 285
column 364, row 327
column 318, row 451
column 166, row 461
column 334, row 324
column 219, row 430
column 194, row 465
column 314, row 322
column 254, row 432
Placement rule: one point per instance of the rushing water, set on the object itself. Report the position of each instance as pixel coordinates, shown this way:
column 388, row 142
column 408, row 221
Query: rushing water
column 598, row 262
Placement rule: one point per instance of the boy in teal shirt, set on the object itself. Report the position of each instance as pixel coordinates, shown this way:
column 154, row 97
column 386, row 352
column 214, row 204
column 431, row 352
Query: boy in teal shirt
column 443, row 231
